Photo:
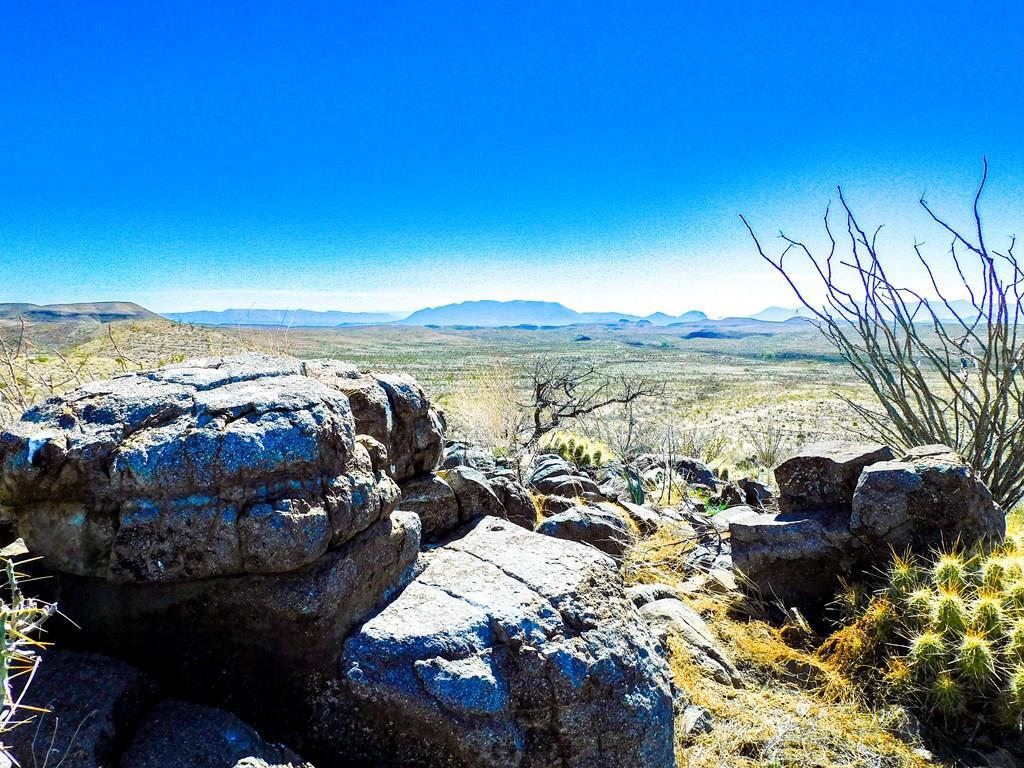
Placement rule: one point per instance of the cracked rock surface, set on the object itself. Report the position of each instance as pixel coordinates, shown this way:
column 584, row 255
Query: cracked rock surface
column 212, row 468
column 510, row 649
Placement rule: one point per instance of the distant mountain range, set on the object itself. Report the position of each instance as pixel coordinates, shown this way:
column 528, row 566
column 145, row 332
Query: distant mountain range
column 101, row 311
column 503, row 313
column 284, row 317
column 478, row 314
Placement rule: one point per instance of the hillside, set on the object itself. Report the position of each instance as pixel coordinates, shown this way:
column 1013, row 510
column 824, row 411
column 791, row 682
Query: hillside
column 100, row 311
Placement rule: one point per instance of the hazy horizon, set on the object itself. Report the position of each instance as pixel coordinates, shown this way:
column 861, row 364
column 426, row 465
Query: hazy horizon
column 363, row 159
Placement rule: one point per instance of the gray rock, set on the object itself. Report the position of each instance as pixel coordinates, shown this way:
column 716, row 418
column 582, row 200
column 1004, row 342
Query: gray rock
column 603, row 527
column 728, row 495
column 552, row 505
column 434, row 501
column 509, row 649
column 927, row 499
column 792, row 557
column 823, row 475
column 565, row 485
column 672, row 617
column 475, row 495
column 550, row 465
column 642, row 594
column 757, row 495
column 516, row 500
column 175, row 733
column 94, row 704
column 393, row 409
column 696, row 720
column 465, row 455
column 206, row 469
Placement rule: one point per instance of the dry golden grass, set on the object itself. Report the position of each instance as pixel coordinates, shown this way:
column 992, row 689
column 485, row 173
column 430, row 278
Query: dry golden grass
column 796, row 708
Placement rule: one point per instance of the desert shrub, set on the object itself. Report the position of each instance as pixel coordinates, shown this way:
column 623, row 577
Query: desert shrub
column 706, row 442
column 944, row 635
column 942, row 370
column 767, row 437
column 484, row 409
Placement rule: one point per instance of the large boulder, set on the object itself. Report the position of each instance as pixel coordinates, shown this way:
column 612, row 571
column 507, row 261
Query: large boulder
column 208, row 469
column 393, row 409
column 509, row 649
column 252, row 636
column 852, row 525
column 92, row 706
column 601, row 526
column 176, row 733
column 434, row 501
column 929, row 498
column 792, row 557
column 823, row 475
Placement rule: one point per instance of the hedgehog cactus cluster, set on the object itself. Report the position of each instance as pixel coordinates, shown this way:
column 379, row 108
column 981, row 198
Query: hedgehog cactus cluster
column 947, row 633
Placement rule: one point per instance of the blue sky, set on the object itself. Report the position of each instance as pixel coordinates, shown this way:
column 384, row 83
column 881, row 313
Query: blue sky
column 391, row 156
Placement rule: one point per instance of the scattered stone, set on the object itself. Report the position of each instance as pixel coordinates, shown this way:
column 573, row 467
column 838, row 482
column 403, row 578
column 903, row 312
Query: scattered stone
column 552, row 505
column 434, row 501
column 823, row 475
column 602, row 527
column 672, row 617
column 177, row 733
column 696, row 720
column 509, row 649
column 93, row 702
column 465, row 455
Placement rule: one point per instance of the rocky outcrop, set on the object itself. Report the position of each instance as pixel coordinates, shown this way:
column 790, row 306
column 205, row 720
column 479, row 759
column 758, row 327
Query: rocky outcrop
column 510, row 649
column 671, row 617
column 846, row 508
column 214, row 468
column 176, row 733
column 602, row 526
column 823, row 475
column 228, row 525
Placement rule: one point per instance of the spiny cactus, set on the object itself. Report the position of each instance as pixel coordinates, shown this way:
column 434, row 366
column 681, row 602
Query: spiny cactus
column 953, row 629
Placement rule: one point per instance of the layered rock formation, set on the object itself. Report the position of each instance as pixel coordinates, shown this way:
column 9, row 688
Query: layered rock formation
column 228, row 525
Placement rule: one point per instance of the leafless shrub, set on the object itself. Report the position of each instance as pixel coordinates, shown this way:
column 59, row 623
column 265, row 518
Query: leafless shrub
column 706, row 442
column 28, row 373
column 484, row 408
column 767, row 436
column 942, row 370
column 560, row 390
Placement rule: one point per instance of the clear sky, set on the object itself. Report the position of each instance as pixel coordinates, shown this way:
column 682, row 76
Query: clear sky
column 396, row 155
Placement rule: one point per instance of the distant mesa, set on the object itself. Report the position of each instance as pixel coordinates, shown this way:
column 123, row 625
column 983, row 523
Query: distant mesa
column 100, row 311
